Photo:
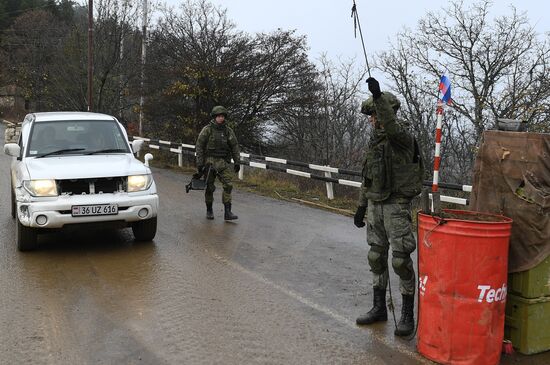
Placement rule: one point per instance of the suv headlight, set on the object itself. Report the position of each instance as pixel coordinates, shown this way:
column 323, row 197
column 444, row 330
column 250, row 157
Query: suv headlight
column 41, row 187
column 139, row 182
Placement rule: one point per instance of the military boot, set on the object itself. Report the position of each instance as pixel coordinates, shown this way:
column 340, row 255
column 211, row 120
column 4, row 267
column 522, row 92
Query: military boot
column 379, row 312
column 405, row 327
column 229, row 216
column 209, row 211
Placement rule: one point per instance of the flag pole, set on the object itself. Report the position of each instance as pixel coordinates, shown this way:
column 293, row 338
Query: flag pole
column 437, row 154
column 445, row 97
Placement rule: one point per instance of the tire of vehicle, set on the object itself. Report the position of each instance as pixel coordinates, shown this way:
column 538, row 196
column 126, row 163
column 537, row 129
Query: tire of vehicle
column 26, row 237
column 145, row 230
column 13, row 205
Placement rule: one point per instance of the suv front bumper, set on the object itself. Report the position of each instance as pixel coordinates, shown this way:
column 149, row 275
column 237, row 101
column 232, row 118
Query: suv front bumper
column 58, row 210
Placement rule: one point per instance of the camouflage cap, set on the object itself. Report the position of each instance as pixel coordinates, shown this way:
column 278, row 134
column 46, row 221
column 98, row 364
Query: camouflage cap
column 368, row 108
column 217, row 110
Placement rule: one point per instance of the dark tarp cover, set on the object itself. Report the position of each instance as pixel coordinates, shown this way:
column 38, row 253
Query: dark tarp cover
column 512, row 178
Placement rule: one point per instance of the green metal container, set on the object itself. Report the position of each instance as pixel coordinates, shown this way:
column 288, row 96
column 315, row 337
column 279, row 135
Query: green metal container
column 532, row 283
column 527, row 324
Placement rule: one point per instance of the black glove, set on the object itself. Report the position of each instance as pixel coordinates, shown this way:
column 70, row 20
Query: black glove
column 374, row 87
column 237, row 168
column 200, row 169
column 359, row 216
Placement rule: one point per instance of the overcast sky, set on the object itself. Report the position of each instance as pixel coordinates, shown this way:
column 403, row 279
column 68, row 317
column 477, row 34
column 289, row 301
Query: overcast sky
column 329, row 27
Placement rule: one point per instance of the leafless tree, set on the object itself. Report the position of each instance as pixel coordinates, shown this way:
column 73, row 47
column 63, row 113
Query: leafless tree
column 117, row 45
column 199, row 59
column 330, row 130
column 498, row 69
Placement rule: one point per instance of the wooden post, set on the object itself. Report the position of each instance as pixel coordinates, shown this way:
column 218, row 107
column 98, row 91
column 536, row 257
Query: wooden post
column 425, row 201
column 330, row 186
column 436, row 203
column 241, row 173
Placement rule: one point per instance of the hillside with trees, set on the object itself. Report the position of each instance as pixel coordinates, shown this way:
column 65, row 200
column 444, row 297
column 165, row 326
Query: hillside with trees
column 282, row 103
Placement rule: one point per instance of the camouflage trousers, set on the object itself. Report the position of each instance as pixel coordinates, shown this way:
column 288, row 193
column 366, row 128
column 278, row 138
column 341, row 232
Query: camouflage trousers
column 221, row 169
column 389, row 224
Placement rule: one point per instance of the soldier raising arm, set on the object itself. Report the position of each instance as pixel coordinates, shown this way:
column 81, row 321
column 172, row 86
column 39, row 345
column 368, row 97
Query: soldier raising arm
column 392, row 176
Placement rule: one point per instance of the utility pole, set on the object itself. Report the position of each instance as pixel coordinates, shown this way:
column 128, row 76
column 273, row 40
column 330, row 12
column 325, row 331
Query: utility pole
column 121, row 54
column 143, row 54
column 90, row 51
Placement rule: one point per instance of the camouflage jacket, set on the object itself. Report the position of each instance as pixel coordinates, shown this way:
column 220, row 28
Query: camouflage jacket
column 392, row 169
column 217, row 141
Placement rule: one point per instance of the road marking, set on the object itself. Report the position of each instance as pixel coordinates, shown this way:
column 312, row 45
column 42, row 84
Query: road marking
column 327, row 311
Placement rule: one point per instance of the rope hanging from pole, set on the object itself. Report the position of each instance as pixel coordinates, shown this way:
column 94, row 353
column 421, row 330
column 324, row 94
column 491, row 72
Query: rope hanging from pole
column 357, row 24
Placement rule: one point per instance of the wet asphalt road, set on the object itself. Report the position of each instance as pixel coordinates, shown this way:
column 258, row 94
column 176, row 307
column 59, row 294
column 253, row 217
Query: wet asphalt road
column 282, row 285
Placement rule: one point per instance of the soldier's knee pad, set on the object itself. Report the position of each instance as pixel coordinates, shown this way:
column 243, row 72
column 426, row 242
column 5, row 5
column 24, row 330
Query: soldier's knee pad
column 210, row 189
column 402, row 266
column 228, row 188
column 378, row 262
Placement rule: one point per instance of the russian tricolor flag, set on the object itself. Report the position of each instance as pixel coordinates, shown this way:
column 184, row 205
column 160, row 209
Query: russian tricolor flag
column 445, row 89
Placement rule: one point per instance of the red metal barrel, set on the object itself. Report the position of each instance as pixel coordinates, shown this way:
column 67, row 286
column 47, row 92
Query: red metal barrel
column 463, row 262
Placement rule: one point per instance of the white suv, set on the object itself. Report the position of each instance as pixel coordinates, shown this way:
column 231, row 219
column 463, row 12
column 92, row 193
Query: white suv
column 74, row 168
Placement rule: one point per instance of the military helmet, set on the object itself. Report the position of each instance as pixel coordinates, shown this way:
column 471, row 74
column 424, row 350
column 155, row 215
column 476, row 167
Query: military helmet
column 367, row 107
column 217, row 110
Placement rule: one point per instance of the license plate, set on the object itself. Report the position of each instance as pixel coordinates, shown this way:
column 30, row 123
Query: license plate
column 100, row 209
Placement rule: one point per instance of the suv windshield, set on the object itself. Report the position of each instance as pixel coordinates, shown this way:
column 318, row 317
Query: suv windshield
column 76, row 137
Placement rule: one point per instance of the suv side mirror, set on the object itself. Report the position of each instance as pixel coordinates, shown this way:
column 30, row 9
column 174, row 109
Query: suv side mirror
column 12, row 149
column 136, row 145
column 148, row 157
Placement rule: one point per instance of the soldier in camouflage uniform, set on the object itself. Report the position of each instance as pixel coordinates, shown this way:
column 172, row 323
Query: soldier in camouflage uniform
column 392, row 176
column 216, row 145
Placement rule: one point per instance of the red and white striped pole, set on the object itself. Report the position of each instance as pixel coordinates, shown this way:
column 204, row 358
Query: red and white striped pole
column 437, row 156
column 445, row 92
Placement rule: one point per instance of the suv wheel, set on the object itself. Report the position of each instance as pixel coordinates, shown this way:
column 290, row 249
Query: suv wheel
column 145, row 230
column 13, row 205
column 25, row 237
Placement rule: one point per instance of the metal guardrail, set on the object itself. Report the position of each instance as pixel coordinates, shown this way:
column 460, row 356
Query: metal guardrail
column 187, row 149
